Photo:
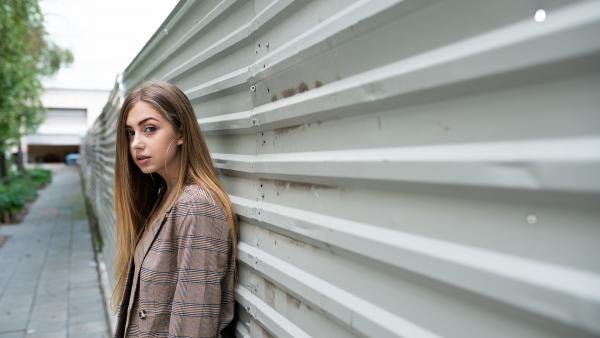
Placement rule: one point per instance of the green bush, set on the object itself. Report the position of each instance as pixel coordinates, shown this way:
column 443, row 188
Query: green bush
column 40, row 176
column 19, row 189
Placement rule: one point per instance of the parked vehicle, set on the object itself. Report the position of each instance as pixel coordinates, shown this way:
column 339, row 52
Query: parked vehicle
column 72, row 159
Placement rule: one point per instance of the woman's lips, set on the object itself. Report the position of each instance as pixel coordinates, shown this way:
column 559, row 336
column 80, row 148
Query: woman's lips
column 144, row 160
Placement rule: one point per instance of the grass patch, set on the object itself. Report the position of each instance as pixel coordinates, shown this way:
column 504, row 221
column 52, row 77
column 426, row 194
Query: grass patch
column 19, row 189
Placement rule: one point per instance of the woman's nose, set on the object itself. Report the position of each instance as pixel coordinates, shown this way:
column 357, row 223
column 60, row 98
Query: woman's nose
column 136, row 142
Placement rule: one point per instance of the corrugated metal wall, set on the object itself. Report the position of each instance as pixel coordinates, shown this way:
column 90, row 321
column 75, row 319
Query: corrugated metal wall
column 400, row 168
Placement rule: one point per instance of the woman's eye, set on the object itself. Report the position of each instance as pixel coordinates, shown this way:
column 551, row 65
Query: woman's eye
column 130, row 133
column 150, row 129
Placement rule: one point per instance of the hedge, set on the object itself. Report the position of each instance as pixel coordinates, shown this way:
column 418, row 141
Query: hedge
column 20, row 188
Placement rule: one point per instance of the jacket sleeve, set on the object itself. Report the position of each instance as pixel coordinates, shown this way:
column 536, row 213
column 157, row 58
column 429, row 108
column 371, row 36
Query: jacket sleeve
column 201, row 306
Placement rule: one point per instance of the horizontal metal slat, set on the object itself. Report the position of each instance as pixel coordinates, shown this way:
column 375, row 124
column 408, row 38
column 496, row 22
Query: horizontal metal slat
column 370, row 320
column 535, row 165
column 271, row 319
column 538, row 287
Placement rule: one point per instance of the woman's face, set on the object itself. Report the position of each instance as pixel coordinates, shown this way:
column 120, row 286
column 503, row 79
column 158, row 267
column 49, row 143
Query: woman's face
column 152, row 141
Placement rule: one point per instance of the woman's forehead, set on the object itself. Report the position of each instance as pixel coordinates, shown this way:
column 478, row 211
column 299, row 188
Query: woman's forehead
column 140, row 112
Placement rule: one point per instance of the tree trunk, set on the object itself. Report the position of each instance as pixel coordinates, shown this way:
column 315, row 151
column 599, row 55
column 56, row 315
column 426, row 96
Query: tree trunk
column 3, row 166
column 20, row 166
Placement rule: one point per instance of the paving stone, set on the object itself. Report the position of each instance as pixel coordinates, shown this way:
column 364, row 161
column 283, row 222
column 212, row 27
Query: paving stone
column 86, row 307
column 54, row 334
column 17, row 334
column 84, row 285
column 87, row 317
column 90, row 327
column 16, row 301
column 47, row 326
column 53, row 286
column 52, row 316
column 45, row 298
column 50, row 307
column 90, row 335
column 84, row 293
column 13, row 321
column 84, row 278
column 17, row 286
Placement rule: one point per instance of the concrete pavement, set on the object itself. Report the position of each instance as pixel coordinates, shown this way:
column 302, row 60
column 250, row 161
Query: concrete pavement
column 49, row 286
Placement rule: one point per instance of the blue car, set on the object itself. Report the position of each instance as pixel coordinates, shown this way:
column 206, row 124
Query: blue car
column 72, row 159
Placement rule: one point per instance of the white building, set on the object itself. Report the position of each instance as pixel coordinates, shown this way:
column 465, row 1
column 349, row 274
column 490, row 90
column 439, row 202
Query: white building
column 70, row 113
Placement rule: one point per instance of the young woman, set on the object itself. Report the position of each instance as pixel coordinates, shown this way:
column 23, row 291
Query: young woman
column 176, row 230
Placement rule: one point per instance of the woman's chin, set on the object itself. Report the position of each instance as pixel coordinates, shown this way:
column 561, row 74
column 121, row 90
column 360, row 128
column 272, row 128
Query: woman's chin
column 146, row 169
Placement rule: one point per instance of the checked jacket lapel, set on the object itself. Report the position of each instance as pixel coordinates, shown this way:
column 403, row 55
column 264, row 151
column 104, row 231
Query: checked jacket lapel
column 150, row 239
column 146, row 243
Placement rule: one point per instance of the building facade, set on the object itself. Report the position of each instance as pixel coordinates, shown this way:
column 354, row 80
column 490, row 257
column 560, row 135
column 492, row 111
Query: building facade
column 70, row 112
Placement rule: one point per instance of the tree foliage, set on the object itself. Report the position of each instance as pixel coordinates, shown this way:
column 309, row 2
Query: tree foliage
column 26, row 55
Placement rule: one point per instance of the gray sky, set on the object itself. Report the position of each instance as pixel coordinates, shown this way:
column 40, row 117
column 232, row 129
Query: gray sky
column 104, row 36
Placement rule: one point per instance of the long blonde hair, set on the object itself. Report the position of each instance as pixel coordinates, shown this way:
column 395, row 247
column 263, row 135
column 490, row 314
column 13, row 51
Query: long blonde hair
column 136, row 193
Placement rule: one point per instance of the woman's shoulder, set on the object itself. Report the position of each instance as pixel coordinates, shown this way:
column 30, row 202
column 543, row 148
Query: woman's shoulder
column 200, row 201
column 192, row 192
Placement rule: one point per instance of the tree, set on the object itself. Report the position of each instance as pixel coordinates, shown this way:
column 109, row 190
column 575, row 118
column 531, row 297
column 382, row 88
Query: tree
column 26, row 55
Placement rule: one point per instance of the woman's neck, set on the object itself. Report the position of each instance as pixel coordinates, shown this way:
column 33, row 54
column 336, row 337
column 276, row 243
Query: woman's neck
column 169, row 190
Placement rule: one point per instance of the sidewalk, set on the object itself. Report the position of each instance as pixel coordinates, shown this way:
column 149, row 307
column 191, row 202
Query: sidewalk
column 48, row 279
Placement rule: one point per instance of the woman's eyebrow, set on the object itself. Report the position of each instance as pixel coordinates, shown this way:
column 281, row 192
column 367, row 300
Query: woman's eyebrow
column 144, row 120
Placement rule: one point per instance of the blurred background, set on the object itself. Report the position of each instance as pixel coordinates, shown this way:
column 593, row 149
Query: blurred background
column 103, row 37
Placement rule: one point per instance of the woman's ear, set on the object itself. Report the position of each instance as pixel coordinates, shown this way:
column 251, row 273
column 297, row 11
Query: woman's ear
column 180, row 140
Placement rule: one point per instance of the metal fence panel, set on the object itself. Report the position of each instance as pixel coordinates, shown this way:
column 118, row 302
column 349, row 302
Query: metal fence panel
column 399, row 168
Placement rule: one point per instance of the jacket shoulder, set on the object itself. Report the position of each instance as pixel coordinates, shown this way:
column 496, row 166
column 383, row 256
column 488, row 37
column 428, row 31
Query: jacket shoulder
column 196, row 200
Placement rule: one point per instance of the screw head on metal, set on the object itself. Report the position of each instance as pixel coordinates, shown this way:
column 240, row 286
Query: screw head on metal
column 253, row 88
column 540, row 15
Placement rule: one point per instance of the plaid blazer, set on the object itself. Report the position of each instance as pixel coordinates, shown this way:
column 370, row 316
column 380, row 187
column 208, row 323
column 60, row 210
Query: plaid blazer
column 184, row 284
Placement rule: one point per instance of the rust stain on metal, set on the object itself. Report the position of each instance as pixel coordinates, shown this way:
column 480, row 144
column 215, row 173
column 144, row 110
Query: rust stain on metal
column 273, row 98
column 286, row 185
column 270, row 293
column 302, row 87
column 292, row 301
column 265, row 333
column 289, row 92
column 286, row 130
